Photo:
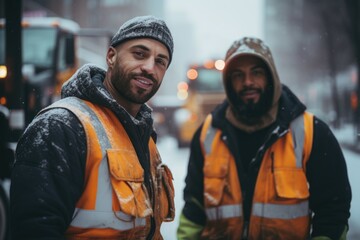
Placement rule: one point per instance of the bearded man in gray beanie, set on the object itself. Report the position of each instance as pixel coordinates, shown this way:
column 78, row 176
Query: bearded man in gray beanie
column 88, row 166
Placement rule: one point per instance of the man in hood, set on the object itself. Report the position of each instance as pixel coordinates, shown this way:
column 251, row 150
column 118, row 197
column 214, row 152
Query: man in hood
column 87, row 167
column 261, row 166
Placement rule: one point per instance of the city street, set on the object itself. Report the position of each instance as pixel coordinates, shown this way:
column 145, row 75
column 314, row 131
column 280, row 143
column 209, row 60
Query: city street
column 110, row 57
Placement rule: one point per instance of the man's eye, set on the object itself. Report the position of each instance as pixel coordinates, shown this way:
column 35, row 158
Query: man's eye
column 139, row 54
column 259, row 72
column 236, row 75
column 161, row 61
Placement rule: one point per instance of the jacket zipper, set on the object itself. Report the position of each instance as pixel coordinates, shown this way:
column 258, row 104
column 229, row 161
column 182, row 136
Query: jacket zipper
column 245, row 232
column 267, row 142
column 276, row 132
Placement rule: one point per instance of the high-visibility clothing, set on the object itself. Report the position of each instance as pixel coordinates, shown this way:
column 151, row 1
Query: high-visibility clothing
column 280, row 207
column 115, row 203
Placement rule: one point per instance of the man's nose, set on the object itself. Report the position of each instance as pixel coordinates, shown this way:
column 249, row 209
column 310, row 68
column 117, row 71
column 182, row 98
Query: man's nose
column 148, row 66
column 248, row 80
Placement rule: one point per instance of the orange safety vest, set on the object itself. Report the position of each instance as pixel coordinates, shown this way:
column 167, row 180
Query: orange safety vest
column 115, row 203
column 280, row 207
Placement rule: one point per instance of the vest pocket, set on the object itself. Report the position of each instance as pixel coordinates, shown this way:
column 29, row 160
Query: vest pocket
column 215, row 172
column 166, row 193
column 291, row 183
column 127, row 180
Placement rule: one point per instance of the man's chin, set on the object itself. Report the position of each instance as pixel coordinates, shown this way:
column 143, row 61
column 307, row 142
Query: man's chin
column 250, row 101
column 249, row 109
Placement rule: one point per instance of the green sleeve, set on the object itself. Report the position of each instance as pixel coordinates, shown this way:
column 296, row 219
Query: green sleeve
column 342, row 237
column 321, row 238
column 188, row 230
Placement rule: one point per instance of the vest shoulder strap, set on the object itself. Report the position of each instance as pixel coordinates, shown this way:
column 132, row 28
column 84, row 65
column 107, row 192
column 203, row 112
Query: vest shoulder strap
column 207, row 135
column 301, row 129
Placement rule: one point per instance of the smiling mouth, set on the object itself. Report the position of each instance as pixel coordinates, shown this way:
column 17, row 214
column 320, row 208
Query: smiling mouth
column 250, row 93
column 143, row 82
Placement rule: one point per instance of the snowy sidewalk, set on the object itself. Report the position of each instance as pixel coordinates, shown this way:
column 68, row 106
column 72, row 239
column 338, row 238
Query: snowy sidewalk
column 347, row 137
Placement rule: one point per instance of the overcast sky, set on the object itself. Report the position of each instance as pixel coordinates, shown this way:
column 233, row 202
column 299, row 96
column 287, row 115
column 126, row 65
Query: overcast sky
column 219, row 22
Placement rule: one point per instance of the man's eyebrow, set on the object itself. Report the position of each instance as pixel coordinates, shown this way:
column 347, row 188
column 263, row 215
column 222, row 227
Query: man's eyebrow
column 140, row 46
column 143, row 47
column 259, row 66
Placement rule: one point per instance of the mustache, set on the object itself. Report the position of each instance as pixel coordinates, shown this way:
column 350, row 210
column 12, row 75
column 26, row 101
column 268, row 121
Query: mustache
column 243, row 92
column 145, row 75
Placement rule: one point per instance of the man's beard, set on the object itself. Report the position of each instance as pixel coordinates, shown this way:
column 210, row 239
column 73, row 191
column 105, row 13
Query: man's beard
column 121, row 82
column 250, row 110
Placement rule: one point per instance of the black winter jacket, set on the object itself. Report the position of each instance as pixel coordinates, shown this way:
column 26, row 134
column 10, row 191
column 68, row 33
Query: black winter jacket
column 48, row 174
column 330, row 192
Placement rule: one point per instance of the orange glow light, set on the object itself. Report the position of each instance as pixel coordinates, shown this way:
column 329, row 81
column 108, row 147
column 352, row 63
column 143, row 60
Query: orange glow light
column 25, row 24
column 183, row 86
column 55, row 24
column 219, row 64
column 3, row 71
column 354, row 101
column 209, row 64
column 182, row 94
column 3, row 100
column 192, row 74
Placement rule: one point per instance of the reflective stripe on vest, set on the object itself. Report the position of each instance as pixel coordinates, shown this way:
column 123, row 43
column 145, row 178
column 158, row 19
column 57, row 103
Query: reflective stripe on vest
column 265, row 210
column 298, row 135
column 280, row 211
column 210, row 135
column 103, row 215
column 222, row 212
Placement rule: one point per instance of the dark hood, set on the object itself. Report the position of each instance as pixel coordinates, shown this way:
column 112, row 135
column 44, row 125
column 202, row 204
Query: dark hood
column 254, row 47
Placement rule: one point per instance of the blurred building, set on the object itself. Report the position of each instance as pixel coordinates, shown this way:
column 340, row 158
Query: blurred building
column 309, row 42
column 284, row 33
column 104, row 16
column 108, row 14
column 313, row 49
column 183, row 33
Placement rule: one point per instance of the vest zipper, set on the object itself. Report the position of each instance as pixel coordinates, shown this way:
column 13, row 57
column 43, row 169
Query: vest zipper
column 245, row 232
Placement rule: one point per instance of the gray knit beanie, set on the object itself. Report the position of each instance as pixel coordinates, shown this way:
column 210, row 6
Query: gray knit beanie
column 145, row 27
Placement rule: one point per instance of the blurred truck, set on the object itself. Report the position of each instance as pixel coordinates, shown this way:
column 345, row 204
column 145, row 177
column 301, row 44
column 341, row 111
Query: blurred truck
column 49, row 57
column 51, row 53
column 201, row 92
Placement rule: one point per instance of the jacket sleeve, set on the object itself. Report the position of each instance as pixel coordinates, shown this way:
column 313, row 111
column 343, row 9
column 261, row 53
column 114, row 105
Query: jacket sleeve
column 193, row 214
column 188, row 229
column 47, row 177
column 330, row 191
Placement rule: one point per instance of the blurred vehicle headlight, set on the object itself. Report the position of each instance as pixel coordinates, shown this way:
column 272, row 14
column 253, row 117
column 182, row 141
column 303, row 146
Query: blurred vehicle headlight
column 181, row 115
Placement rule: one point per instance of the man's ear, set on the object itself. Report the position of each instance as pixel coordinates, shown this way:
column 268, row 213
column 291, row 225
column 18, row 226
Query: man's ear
column 111, row 56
